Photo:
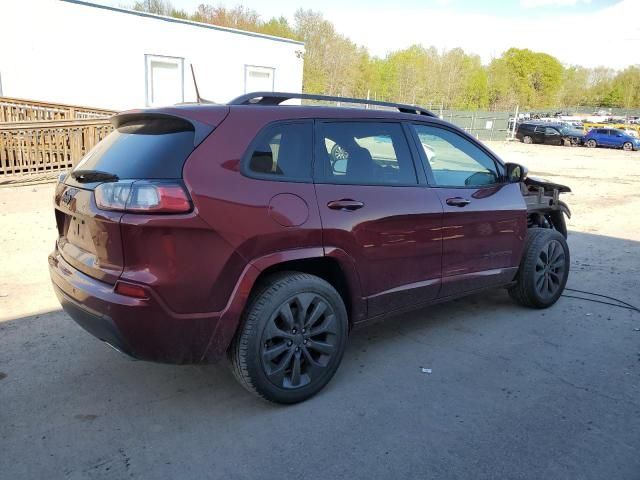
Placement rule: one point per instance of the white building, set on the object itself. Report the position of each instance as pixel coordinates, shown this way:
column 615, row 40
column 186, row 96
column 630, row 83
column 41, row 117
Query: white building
column 77, row 52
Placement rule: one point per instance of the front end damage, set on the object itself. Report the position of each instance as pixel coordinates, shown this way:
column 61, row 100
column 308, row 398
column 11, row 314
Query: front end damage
column 544, row 207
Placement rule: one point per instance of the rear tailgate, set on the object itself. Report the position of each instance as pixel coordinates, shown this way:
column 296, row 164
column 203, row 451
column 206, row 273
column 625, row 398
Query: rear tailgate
column 88, row 238
column 149, row 145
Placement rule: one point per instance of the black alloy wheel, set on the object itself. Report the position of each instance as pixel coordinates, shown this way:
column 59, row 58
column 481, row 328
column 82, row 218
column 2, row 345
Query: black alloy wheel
column 550, row 269
column 299, row 341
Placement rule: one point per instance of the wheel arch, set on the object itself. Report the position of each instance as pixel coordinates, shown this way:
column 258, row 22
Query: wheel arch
column 333, row 265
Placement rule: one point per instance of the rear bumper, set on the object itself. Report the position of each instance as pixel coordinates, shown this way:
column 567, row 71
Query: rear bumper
column 145, row 329
column 99, row 325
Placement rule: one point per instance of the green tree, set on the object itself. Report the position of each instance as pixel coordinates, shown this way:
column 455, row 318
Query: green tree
column 625, row 89
column 157, row 7
column 278, row 27
column 574, row 88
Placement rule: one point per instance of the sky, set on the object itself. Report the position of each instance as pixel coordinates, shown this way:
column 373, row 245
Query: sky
column 590, row 33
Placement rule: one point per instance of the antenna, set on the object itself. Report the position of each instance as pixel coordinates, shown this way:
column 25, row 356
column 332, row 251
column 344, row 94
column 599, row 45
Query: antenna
column 195, row 84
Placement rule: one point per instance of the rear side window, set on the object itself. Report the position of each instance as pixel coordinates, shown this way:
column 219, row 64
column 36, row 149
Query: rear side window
column 282, row 151
column 364, row 153
column 149, row 149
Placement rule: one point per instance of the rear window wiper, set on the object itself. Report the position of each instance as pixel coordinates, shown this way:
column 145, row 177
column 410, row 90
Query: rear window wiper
column 87, row 176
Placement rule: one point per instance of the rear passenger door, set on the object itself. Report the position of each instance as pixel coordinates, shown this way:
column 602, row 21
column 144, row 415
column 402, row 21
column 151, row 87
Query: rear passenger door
column 605, row 138
column 485, row 219
column 373, row 208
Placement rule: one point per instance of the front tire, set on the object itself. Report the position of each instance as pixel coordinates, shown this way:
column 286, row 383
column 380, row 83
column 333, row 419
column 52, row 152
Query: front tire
column 591, row 143
column 527, row 139
column 627, row 146
column 292, row 338
column 544, row 269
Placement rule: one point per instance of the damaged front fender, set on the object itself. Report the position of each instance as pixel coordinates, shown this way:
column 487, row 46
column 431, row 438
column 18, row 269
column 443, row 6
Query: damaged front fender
column 544, row 207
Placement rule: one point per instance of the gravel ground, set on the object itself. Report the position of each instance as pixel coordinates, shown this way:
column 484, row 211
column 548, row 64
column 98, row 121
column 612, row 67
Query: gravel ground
column 512, row 393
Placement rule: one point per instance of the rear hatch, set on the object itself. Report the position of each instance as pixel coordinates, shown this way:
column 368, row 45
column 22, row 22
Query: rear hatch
column 149, row 146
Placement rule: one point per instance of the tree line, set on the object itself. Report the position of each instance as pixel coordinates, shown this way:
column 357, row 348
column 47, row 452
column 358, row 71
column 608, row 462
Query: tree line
column 453, row 79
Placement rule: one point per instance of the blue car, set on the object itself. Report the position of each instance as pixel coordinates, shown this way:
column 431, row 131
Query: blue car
column 611, row 137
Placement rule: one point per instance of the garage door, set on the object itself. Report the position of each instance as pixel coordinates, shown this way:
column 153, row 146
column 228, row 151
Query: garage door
column 165, row 80
column 258, row 79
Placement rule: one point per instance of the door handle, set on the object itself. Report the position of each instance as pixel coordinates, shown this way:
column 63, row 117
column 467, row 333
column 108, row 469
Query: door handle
column 345, row 204
column 458, row 202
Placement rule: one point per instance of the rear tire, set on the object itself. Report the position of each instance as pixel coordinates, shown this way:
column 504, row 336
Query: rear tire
column 292, row 338
column 527, row 139
column 591, row 143
column 544, row 269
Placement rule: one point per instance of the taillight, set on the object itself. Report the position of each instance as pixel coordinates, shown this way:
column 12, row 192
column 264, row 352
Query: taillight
column 142, row 196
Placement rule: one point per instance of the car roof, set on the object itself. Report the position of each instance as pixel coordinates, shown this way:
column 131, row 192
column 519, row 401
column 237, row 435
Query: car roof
column 207, row 113
column 540, row 123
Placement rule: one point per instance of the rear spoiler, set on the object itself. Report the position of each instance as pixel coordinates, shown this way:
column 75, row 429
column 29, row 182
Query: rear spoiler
column 201, row 130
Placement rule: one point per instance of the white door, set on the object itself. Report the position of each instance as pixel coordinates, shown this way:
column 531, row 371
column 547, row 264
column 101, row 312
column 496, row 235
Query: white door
column 165, row 80
column 258, row 79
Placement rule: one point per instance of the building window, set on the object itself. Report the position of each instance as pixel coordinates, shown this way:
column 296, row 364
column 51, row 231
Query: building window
column 258, row 79
column 165, row 80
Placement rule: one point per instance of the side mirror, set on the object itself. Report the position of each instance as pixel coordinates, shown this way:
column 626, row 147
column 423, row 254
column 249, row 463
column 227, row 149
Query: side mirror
column 516, row 173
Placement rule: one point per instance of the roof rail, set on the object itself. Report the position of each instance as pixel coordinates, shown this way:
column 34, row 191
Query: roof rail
column 276, row 98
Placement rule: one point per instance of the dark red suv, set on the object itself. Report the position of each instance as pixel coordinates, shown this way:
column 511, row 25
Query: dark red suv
column 266, row 232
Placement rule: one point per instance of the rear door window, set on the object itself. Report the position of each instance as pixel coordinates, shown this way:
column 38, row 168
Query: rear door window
column 282, row 151
column 364, row 153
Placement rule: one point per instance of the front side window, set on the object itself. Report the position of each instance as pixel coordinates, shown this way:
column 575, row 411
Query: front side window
column 367, row 153
column 551, row 131
column 454, row 160
column 283, row 151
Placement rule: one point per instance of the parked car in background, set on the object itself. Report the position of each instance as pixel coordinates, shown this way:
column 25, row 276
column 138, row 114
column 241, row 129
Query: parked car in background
column 577, row 125
column 631, row 131
column 549, row 133
column 611, row 137
column 267, row 233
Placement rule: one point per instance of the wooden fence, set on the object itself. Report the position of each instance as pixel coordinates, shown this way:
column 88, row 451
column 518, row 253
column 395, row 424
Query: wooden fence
column 28, row 149
column 21, row 110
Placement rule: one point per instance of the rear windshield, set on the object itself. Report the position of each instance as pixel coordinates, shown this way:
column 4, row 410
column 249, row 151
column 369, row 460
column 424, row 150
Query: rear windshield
column 153, row 149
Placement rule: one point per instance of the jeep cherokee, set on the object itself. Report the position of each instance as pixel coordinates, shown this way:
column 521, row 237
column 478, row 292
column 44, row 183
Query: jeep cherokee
column 266, row 232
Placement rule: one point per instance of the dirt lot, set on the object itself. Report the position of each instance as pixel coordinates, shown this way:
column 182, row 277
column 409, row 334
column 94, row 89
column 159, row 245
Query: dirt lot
column 513, row 393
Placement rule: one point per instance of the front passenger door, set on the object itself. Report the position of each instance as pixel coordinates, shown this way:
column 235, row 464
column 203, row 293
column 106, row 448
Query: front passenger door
column 485, row 219
column 552, row 136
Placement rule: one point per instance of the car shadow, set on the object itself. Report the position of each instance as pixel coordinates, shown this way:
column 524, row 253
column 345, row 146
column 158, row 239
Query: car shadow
column 431, row 368
column 52, row 344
